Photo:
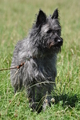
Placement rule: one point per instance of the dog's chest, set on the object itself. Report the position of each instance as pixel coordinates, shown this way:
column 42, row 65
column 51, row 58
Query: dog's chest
column 43, row 69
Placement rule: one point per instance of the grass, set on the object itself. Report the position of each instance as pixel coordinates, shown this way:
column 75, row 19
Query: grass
column 16, row 18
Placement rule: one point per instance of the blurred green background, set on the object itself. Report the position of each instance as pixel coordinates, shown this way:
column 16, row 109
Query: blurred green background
column 16, row 19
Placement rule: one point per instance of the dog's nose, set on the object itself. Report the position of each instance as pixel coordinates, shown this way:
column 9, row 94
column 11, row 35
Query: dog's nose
column 60, row 41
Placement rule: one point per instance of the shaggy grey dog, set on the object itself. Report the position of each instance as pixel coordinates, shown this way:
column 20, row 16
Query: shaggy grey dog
column 38, row 52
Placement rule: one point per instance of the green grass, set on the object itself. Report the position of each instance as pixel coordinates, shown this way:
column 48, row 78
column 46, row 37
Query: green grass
column 16, row 18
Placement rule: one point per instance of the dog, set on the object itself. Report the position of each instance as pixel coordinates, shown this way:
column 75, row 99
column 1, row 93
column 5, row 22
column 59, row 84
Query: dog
column 38, row 51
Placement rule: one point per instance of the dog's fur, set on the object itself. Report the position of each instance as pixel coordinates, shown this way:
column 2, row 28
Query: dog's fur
column 38, row 52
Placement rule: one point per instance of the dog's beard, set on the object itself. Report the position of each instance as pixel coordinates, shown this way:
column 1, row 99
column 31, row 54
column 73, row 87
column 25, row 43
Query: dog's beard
column 49, row 47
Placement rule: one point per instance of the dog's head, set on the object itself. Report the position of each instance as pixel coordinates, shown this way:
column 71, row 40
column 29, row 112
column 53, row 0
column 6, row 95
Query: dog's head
column 49, row 31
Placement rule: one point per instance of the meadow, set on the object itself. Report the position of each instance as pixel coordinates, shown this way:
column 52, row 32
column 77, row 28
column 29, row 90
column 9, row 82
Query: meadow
column 16, row 19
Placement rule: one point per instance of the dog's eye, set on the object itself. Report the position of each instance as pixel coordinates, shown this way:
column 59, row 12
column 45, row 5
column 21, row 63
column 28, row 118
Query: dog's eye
column 56, row 31
column 49, row 31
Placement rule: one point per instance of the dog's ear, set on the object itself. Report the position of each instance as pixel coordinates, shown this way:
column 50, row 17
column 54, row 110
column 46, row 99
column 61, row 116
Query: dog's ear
column 41, row 18
column 55, row 14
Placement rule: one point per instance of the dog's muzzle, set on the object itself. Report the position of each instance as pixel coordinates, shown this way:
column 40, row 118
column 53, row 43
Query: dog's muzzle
column 57, row 42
